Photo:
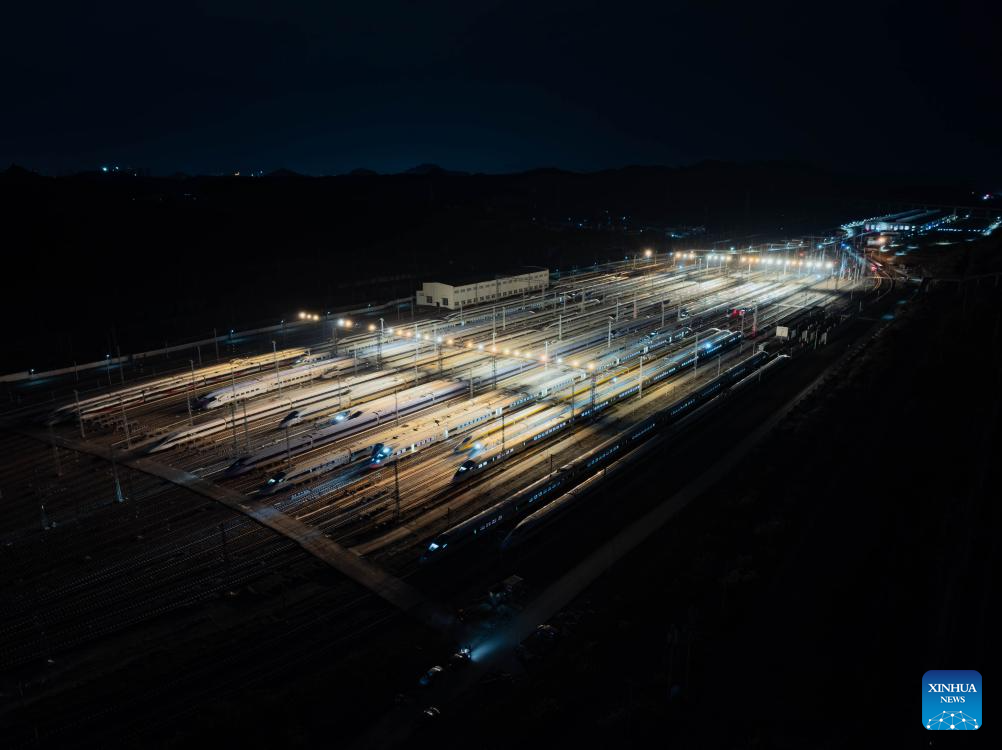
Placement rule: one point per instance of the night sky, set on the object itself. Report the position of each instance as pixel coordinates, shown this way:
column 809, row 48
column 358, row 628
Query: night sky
column 325, row 87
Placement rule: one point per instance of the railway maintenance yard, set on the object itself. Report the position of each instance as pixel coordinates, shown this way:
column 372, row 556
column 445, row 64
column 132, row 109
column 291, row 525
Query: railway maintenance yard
column 361, row 454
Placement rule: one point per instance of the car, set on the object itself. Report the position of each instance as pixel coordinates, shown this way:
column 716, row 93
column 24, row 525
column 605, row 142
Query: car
column 460, row 659
column 539, row 644
column 431, row 677
column 429, row 714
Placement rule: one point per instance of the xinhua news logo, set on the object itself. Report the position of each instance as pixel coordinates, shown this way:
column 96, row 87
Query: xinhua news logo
column 951, row 699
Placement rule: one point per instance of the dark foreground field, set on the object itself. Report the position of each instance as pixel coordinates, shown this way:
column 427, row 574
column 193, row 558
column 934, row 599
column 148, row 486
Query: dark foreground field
column 797, row 603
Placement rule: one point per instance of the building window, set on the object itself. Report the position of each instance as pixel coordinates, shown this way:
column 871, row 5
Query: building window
column 445, row 301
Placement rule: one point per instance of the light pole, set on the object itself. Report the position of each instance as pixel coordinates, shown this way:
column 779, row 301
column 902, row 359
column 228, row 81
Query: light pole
column 190, row 392
column 125, row 423
column 416, row 338
column 76, row 397
column 246, row 427
column 278, row 378
column 695, row 358
column 396, row 489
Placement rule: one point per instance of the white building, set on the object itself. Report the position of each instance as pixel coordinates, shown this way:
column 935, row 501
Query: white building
column 473, row 291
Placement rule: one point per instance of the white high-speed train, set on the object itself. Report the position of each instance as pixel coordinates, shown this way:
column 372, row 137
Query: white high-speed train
column 410, row 438
column 306, row 470
column 128, row 396
column 253, row 411
column 362, row 387
column 262, row 384
column 371, row 415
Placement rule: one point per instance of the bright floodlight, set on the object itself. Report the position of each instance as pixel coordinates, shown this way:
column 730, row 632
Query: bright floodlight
column 647, row 253
column 390, row 330
column 372, row 326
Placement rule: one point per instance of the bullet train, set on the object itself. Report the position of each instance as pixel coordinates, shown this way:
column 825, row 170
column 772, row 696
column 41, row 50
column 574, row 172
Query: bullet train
column 251, row 411
column 589, row 464
column 129, row 396
column 716, row 341
column 472, row 466
column 260, row 385
column 412, row 438
column 298, row 416
column 362, row 386
column 485, row 437
column 539, row 519
column 375, row 412
column 307, row 470
column 741, row 376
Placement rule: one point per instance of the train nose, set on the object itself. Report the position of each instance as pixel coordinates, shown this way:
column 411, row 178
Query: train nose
column 379, row 454
column 290, row 420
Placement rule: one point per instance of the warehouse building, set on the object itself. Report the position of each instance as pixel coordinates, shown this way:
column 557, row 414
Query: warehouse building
column 467, row 291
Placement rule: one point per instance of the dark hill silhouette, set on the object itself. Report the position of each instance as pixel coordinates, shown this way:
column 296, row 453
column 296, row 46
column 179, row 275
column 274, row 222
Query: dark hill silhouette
column 283, row 172
column 431, row 169
column 157, row 259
